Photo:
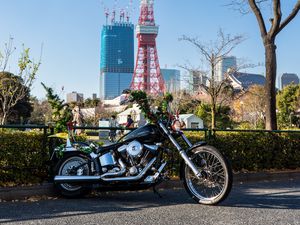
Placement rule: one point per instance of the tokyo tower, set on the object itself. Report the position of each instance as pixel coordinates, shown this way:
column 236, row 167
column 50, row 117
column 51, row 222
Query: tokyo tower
column 147, row 75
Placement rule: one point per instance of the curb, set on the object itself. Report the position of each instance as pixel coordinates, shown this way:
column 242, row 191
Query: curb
column 46, row 190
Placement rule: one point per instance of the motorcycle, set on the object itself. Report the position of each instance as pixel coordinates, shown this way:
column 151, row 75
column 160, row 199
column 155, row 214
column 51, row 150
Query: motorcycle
column 139, row 160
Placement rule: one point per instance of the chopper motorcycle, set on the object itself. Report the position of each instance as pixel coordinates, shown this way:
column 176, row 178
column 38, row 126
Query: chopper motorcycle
column 139, row 161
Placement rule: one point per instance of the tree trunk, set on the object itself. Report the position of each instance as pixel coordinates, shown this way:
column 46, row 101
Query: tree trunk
column 213, row 116
column 271, row 65
column 4, row 119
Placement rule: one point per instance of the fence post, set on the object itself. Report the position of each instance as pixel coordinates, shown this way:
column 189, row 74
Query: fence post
column 209, row 134
column 51, row 147
column 44, row 140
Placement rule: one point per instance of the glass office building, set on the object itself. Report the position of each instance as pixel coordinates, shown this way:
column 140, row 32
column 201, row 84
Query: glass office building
column 117, row 59
column 172, row 79
column 227, row 62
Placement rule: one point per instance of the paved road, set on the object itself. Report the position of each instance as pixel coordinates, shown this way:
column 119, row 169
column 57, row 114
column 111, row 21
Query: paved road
column 266, row 202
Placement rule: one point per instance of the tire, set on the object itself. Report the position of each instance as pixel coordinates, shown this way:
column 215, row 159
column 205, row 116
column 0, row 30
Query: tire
column 63, row 169
column 216, row 181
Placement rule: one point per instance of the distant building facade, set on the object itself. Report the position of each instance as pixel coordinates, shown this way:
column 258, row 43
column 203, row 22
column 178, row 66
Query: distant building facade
column 74, row 97
column 117, row 59
column 94, row 96
column 172, row 79
column 187, row 82
column 242, row 81
column 289, row 78
column 199, row 79
column 223, row 65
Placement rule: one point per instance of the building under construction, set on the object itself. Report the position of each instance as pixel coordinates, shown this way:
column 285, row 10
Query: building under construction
column 117, row 56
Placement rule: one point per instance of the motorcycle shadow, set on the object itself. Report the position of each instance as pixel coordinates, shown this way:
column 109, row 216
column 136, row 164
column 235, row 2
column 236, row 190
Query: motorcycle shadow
column 95, row 203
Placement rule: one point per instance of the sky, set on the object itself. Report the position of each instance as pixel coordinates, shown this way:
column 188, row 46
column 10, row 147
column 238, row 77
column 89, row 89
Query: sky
column 69, row 31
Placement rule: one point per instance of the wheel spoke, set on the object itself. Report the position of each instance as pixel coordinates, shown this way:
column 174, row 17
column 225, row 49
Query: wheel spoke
column 213, row 182
column 67, row 167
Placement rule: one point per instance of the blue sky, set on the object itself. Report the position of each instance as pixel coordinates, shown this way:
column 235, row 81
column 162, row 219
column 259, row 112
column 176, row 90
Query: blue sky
column 70, row 33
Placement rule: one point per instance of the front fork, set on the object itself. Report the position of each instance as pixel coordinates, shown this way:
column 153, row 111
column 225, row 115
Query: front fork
column 181, row 151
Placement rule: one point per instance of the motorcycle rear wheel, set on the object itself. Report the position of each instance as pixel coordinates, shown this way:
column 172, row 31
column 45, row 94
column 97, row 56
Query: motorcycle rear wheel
column 216, row 181
column 64, row 168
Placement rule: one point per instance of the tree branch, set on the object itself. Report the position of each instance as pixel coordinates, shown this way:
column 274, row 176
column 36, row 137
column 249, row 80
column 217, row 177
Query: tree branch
column 259, row 17
column 277, row 19
column 290, row 17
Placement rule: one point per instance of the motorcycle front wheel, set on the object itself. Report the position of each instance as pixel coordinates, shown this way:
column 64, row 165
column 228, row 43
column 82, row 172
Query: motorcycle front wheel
column 71, row 166
column 216, row 176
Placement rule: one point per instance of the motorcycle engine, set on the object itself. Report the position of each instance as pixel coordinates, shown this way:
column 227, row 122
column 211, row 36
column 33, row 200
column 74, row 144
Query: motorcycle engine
column 137, row 156
column 134, row 149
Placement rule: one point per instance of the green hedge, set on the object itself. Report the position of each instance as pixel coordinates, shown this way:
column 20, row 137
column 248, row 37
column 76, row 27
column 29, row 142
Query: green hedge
column 23, row 157
column 256, row 151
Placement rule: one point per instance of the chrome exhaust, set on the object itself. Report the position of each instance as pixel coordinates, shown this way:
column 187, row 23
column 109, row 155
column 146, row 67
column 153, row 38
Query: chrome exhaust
column 76, row 179
column 81, row 179
column 110, row 176
column 133, row 178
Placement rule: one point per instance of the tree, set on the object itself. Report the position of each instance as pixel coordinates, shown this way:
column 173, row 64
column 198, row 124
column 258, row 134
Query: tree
column 61, row 112
column 183, row 103
column 41, row 113
column 212, row 54
column 277, row 24
column 22, row 108
column 14, row 88
column 222, row 121
column 288, row 101
column 251, row 106
column 91, row 103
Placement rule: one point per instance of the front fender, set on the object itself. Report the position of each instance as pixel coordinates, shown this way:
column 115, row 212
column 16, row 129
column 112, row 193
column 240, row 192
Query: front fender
column 188, row 151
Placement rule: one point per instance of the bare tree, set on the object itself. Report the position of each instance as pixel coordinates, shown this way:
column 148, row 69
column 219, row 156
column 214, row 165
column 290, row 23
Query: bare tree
column 13, row 88
column 212, row 54
column 8, row 51
column 277, row 24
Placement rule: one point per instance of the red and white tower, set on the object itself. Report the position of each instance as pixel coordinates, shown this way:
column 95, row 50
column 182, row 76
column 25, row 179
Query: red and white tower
column 147, row 76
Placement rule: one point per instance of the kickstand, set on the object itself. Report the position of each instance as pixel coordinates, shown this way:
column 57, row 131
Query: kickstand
column 156, row 192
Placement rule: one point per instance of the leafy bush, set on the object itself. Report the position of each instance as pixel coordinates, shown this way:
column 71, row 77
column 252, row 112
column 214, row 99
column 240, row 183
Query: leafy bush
column 253, row 151
column 23, row 157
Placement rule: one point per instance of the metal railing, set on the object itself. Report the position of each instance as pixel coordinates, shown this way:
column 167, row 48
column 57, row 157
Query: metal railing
column 208, row 133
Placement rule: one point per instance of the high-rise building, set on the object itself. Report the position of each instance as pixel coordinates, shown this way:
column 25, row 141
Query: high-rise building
column 187, row 82
column 94, row 96
column 199, row 79
column 228, row 62
column 288, row 78
column 74, row 97
column 172, row 79
column 117, row 58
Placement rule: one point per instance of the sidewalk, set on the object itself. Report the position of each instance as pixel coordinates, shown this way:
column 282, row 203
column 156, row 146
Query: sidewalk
column 45, row 190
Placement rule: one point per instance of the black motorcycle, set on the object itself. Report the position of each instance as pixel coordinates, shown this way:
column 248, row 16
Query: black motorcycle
column 138, row 161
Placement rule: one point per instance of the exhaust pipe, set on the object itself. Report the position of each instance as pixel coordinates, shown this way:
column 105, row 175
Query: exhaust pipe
column 81, row 179
column 105, row 177
column 134, row 178
column 76, row 179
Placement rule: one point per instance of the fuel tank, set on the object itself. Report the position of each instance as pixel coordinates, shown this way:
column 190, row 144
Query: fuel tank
column 145, row 134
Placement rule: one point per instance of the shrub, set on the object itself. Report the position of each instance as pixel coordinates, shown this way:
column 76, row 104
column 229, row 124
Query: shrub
column 253, row 151
column 259, row 150
column 23, row 157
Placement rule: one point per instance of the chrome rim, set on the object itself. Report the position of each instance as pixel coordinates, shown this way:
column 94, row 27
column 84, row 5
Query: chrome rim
column 67, row 169
column 214, row 177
